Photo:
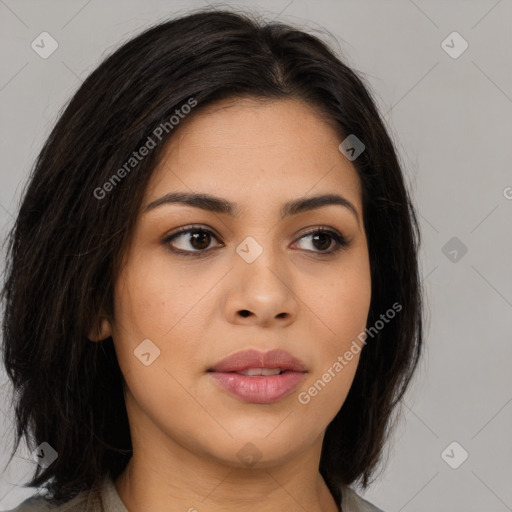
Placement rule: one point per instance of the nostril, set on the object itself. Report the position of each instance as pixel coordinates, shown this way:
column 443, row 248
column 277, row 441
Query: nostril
column 245, row 313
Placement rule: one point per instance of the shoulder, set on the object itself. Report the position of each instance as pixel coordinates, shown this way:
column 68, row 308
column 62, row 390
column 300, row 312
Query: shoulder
column 82, row 502
column 352, row 502
column 32, row 504
column 101, row 497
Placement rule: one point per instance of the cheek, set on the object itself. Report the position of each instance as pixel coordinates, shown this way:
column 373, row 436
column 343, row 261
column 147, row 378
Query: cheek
column 324, row 392
column 343, row 308
column 155, row 299
column 168, row 307
column 154, row 304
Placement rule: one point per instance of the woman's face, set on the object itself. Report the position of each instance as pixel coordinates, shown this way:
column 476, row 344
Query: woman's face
column 252, row 280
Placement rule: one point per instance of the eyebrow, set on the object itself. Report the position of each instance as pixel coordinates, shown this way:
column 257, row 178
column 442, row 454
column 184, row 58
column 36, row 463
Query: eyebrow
column 219, row 205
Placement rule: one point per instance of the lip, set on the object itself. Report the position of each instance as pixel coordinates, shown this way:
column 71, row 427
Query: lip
column 254, row 359
column 261, row 389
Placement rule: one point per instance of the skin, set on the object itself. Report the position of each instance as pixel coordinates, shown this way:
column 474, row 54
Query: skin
column 186, row 431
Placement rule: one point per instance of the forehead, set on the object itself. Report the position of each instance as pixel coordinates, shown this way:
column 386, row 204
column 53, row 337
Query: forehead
column 254, row 122
column 256, row 150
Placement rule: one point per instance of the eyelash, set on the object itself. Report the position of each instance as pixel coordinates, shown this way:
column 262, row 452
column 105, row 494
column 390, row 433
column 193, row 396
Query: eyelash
column 340, row 241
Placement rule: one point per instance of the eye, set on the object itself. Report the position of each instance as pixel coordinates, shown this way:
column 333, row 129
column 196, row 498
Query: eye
column 198, row 238
column 324, row 239
column 195, row 240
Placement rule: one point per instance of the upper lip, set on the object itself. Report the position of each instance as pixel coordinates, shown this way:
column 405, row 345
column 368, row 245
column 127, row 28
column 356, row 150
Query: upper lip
column 276, row 358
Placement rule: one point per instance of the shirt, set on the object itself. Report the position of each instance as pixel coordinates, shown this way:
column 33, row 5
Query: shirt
column 106, row 499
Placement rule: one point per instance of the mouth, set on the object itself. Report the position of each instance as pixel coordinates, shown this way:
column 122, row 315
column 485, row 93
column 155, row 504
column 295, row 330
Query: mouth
column 254, row 372
column 258, row 377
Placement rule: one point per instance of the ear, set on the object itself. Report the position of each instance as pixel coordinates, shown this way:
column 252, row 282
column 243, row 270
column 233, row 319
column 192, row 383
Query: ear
column 101, row 330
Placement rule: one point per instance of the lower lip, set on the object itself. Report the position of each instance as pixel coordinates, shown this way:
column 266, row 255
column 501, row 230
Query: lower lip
column 262, row 389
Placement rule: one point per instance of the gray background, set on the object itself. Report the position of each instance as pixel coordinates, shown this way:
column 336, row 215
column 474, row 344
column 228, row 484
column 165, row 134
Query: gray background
column 451, row 120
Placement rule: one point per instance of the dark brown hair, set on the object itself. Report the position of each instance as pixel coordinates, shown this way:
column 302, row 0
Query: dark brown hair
column 65, row 247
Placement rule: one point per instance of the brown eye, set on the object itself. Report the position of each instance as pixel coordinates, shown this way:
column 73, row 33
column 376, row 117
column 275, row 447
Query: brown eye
column 190, row 240
column 200, row 240
column 196, row 241
column 323, row 239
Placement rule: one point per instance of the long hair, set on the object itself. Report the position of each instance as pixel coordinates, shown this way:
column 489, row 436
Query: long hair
column 75, row 221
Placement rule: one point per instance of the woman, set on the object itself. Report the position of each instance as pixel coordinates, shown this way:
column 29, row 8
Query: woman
column 212, row 298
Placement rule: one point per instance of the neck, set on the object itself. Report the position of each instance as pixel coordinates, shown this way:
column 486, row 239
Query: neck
column 176, row 479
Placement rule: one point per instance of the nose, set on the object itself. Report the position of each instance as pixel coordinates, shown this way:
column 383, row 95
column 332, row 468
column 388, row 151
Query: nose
column 260, row 293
